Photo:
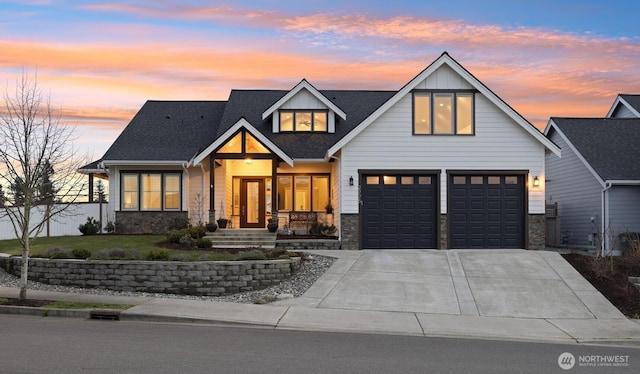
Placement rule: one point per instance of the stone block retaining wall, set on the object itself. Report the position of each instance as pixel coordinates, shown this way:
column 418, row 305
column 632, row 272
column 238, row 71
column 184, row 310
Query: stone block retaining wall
column 308, row 244
column 213, row 278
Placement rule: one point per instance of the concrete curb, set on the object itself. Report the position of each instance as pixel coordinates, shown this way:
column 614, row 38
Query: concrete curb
column 45, row 312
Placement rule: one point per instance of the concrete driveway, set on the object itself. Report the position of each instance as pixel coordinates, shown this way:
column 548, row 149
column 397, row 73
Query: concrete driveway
column 485, row 283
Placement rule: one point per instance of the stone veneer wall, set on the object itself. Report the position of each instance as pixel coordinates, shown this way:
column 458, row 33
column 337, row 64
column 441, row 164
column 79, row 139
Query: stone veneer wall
column 536, row 232
column 213, row 278
column 146, row 222
column 350, row 231
column 308, row 244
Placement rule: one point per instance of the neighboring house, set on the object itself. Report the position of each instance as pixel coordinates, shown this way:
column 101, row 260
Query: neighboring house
column 596, row 182
column 441, row 163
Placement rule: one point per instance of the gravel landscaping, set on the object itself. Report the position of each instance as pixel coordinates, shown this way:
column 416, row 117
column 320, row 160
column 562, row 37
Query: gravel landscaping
column 312, row 267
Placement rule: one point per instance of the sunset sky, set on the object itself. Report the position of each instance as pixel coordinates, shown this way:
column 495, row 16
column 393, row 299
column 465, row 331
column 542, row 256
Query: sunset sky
column 101, row 60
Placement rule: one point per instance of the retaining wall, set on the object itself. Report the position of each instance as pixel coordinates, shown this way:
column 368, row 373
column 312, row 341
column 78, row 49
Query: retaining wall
column 213, row 278
column 308, row 244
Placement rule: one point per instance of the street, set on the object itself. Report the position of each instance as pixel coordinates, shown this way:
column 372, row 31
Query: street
column 66, row 345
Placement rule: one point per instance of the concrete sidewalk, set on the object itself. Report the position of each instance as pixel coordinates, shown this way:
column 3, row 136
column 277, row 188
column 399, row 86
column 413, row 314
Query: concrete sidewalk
column 514, row 294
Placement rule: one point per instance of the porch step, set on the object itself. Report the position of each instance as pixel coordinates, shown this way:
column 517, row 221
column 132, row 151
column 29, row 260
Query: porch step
column 242, row 238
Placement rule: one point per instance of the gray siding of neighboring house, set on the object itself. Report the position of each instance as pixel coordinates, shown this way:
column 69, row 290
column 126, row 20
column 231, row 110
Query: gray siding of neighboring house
column 624, row 208
column 577, row 192
column 622, row 112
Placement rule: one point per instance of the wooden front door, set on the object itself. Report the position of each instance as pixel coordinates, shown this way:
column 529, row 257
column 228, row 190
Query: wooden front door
column 252, row 203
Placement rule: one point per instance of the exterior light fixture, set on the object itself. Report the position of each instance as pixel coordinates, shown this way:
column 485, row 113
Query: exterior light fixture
column 536, row 181
column 350, row 181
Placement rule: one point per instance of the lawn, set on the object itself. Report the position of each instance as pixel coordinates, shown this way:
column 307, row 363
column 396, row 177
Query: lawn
column 135, row 247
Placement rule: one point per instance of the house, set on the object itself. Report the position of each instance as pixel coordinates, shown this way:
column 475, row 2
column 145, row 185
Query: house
column 442, row 162
column 596, row 183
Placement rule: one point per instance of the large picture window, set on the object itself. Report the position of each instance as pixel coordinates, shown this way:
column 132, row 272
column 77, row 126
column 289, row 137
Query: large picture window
column 303, row 120
column 303, row 193
column 443, row 113
column 151, row 191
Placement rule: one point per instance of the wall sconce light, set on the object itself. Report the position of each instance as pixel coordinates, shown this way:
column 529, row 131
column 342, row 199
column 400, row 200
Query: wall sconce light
column 536, row 181
column 350, row 181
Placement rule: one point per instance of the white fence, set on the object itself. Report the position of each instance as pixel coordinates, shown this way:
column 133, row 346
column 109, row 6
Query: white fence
column 67, row 224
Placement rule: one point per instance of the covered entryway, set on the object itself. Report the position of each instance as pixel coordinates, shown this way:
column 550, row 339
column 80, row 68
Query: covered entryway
column 399, row 211
column 486, row 211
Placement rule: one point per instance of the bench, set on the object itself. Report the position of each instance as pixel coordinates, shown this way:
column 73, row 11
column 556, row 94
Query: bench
column 306, row 218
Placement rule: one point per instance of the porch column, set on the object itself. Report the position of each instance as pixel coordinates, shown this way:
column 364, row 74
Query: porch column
column 274, row 188
column 212, row 211
column 90, row 197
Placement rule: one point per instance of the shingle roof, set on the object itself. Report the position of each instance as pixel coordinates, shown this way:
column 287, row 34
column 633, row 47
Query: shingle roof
column 168, row 131
column 633, row 100
column 179, row 130
column 609, row 145
column 250, row 104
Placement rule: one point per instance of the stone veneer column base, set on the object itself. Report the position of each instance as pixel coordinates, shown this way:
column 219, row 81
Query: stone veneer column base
column 444, row 232
column 147, row 222
column 536, row 232
column 350, row 231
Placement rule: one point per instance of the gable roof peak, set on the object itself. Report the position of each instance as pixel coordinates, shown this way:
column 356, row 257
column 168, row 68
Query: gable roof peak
column 304, row 84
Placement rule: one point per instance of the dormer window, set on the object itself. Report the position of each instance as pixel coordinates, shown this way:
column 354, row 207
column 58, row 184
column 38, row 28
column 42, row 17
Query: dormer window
column 303, row 120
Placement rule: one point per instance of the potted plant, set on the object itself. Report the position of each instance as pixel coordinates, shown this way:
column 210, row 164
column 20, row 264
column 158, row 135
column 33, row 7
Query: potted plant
column 328, row 208
column 222, row 223
column 211, row 226
column 272, row 226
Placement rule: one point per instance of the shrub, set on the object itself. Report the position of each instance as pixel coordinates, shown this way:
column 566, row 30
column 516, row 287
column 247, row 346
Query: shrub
column 91, row 227
column 157, row 255
column 319, row 228
column 81, row 253
column 203, row 243
column 59, row 253
column 111, row 254
column 180, row 257
column 134, row 254
column 206, row 257
column 110, row 227
column 187, row 240
column 179, row 223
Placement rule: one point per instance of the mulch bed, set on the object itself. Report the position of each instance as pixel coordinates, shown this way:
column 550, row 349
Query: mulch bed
column 614, row 285
column 302, row 237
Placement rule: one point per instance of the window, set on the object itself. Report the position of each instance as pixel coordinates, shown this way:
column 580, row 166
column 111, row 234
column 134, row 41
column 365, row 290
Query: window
column 303, row 192
column 151, row 191
column 130, row 191
column 303, row 120
column 443, row 113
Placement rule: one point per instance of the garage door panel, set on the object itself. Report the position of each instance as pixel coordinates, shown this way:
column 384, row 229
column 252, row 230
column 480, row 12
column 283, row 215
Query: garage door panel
column 486, row 211
column 403, row 213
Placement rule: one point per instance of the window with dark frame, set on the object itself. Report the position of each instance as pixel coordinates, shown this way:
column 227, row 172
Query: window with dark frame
column 303, row 120
column 443, row 113
column 303, row 192
column 151, row 191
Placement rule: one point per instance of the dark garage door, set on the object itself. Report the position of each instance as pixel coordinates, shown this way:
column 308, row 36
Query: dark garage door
column 399, row 211
column 486, row 211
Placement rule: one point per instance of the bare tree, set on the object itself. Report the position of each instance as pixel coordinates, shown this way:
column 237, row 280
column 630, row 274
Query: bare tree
column 38, row 164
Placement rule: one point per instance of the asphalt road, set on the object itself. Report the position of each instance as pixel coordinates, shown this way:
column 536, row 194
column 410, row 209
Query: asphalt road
column 66, row 345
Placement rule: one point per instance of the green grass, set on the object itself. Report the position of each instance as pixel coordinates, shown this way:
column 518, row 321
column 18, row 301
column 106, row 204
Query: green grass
column 144, row 244
column 75, row 305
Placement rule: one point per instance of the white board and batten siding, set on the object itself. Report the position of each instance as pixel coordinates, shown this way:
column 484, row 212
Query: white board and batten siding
column 304, row 100
column 498, row 144
column 577, row 192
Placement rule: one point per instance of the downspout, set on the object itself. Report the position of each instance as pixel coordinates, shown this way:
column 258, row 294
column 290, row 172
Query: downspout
column 186, row 171
column 341, row 192
column 202, row 190
column 605, row 218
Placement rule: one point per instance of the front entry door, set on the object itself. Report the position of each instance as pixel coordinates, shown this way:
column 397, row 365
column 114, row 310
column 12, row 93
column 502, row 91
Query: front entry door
column 252, row 203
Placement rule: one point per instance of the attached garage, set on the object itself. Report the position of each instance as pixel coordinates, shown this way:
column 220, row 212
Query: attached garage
column 399, row 211
column 487, row 211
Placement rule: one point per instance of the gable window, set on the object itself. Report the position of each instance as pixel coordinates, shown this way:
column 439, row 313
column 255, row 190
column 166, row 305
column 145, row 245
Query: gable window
column 303, row 120
column 443, row 113
column 151, row 191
